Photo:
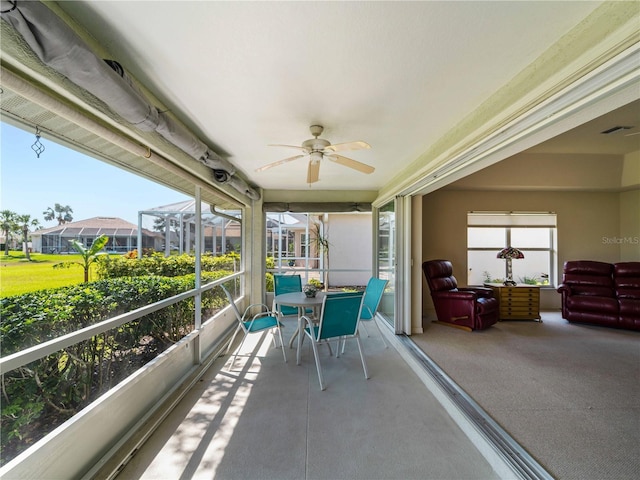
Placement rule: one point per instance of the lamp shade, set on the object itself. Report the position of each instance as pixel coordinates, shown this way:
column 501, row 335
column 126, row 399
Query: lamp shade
column 510, row 253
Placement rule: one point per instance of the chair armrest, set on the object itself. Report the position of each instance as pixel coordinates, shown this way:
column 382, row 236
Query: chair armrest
column 479, row 291
column 263, row 307
column 456, row 295
column 564, row 289
column 304, row 322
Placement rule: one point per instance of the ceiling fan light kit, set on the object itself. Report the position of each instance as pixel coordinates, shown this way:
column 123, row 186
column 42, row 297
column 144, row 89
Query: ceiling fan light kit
column 319, row 148
column 315, row 156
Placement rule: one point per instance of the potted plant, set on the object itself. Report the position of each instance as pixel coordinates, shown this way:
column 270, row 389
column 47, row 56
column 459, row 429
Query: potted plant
column 310, row 290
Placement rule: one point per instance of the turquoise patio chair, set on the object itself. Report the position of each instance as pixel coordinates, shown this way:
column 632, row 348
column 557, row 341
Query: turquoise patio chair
column 338, row 320
column 373, row 295
column 260, row 322
column 288, row 284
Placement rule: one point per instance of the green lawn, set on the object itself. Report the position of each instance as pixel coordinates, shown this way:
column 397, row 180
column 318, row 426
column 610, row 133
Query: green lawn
column 18, row 276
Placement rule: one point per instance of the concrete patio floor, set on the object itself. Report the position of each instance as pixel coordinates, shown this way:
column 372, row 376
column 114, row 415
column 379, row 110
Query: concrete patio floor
column 261, row 418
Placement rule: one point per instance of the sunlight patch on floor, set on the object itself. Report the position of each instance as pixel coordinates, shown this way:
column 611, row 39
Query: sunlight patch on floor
column 198, row 446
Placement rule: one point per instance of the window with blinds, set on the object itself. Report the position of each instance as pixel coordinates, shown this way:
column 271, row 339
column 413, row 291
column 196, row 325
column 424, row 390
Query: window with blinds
column 533, row 233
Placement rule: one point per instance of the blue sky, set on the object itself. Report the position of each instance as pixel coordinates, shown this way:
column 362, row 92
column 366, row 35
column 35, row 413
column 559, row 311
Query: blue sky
column 29, row 185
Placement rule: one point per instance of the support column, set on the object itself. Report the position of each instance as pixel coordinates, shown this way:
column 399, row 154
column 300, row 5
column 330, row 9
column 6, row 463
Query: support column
column 416, row 289
column 253, row 251
column 197, row 354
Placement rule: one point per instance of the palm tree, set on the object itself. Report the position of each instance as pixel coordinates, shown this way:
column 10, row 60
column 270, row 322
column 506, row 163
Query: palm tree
column 9, row 225
column 60, row 213
column 89, row 255
column 25, row 221
column 321, row 245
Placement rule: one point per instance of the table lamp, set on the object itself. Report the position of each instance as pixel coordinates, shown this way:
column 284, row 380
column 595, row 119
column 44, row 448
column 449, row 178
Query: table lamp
column 509, row 254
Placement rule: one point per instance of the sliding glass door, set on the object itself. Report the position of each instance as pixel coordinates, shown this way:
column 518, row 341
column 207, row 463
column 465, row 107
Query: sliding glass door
column 385, row 257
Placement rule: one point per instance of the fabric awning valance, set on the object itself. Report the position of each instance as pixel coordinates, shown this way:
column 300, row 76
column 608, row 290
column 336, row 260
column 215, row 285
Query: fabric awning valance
column 316, row 207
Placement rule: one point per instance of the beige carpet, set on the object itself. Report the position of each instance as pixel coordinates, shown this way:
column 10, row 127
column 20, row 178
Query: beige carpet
column 568, row 393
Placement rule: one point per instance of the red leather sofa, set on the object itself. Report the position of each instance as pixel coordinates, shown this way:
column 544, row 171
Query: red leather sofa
column 471, row 308
column 601, row 293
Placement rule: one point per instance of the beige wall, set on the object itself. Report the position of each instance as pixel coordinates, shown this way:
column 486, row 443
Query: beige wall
column 350, row 246
column 548, row 171
column 631, row 170
column 630, row 209
column 630, row 226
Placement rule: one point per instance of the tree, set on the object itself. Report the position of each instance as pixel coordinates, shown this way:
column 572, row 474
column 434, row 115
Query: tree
column 89, row 255
column 25, row 221
column 321, row 245
column 60, row 213
column 9, row 225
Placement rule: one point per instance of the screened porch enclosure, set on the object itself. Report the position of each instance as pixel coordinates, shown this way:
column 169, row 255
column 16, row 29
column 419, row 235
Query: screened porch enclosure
column 123, row 236
column 176, row 223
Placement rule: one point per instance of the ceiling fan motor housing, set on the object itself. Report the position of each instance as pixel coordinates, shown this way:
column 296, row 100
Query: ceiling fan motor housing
column 316, row 130
column 315, row 144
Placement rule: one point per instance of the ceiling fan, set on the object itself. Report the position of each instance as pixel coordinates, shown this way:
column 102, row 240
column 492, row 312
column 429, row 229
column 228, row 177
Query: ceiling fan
column 319, row 148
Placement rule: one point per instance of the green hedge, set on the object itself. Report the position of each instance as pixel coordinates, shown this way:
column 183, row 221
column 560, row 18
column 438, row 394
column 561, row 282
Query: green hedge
column 43, row 394
column 158, row 264
column 40, row 396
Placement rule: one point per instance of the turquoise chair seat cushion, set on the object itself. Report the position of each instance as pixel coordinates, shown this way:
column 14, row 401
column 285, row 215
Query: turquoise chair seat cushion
column 261, row 323
column 286, row 311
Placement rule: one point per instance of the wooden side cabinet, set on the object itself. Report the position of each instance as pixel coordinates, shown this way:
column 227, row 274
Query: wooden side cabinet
column 521, row 302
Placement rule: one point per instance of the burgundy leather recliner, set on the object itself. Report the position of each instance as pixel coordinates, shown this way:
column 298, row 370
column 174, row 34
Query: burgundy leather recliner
column 472, row 308
column 601, row 293
column 587, row 292
column 626, row 278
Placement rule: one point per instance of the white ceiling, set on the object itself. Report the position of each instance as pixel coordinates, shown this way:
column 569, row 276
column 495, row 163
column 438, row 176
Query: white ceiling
column 397, row 75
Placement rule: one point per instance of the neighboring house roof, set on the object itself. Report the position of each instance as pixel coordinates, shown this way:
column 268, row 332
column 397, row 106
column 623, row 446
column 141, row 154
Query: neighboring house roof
column 95, row 226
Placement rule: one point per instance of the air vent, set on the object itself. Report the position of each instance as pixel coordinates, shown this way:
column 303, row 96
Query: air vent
column 618, row 128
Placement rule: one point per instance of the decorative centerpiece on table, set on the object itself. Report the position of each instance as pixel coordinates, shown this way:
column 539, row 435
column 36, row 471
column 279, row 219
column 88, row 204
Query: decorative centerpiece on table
column 310, row 290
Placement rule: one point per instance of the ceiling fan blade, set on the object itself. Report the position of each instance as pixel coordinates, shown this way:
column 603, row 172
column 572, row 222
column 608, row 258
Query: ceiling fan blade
column 297, row 147
column 279, row 162
column 340, row 147
column 313, row 171
column 351, row 163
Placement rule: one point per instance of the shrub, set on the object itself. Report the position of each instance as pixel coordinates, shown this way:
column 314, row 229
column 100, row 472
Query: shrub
column 43, row 394
column 270, row 265
column 40, row 396
column 158, row 264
